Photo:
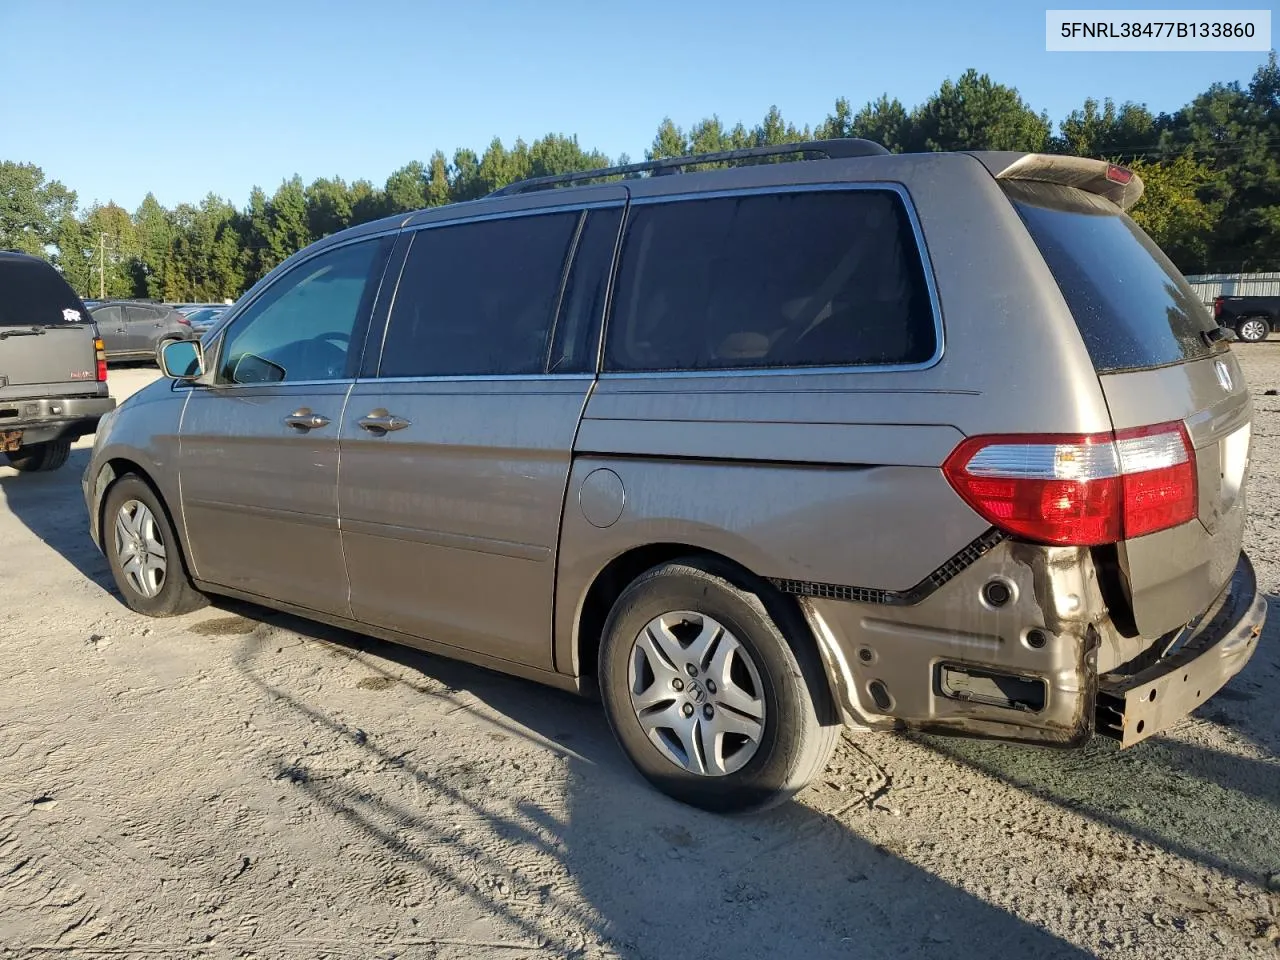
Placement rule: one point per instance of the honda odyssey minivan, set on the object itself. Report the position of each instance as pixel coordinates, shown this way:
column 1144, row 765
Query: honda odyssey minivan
column 939, row 442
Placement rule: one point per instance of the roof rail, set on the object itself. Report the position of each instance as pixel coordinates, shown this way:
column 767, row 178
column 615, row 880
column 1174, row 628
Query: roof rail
column 826, row 149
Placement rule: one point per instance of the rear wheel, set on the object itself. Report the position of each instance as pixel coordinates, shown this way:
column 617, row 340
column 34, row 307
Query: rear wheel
column 705, row 694
column 1253, row 329
column 142, row 551
column 41, row 457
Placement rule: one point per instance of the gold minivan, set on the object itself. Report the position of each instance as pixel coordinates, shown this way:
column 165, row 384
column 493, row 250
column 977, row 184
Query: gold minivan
column 936, row 441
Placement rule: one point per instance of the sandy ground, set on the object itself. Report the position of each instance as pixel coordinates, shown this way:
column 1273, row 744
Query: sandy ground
column 237, row 783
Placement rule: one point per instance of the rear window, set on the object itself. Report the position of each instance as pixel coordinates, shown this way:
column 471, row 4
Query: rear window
column 796, row 279
column 32, row 292
column 1134, row 309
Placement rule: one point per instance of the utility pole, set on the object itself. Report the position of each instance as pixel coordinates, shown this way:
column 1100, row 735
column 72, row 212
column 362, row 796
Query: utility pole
column 102, row 266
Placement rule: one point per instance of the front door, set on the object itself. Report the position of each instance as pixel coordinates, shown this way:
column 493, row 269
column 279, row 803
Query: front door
column 259, row 439
column 455, row 454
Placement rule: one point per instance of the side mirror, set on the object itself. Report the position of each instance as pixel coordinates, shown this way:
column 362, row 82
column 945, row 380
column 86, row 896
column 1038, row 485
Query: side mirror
column 181, row 359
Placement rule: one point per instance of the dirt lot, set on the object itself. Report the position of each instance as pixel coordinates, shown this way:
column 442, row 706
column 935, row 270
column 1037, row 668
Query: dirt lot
column 237, row 783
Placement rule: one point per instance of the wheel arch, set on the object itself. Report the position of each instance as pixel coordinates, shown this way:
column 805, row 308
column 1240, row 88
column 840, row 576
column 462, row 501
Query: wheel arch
column 111, row 473
column 623, row 569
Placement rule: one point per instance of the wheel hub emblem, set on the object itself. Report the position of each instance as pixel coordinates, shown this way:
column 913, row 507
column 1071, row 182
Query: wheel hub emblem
column 1224, row 375
column 695, row 691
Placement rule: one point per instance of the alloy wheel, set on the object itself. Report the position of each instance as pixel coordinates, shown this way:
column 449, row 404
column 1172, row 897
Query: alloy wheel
column 1253, row 330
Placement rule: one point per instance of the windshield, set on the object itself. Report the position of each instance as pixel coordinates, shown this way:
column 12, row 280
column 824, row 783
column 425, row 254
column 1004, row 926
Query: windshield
column 1134, row 309
column 32, row 292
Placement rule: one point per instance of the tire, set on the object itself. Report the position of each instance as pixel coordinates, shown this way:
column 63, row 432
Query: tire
column 134, row 524
column 798, row 725
column 1253, row 329
column 41, row 457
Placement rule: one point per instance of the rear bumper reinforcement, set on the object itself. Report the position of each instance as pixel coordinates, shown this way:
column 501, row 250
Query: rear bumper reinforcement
column 1131, row 707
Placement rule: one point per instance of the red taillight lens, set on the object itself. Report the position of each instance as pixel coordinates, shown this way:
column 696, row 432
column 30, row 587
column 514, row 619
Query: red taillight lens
column 1117, row 174
column 1217, row 307
column 183, row 320
column 1082, row 490
column 1158, row 468
column 100, row 355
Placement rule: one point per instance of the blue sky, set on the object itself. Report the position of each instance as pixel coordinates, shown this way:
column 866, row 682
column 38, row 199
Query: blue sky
column 118, row 98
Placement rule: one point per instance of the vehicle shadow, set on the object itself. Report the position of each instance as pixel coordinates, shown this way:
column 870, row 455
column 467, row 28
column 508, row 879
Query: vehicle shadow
column 51, row 507
column 1219, row 809
column 640, row 875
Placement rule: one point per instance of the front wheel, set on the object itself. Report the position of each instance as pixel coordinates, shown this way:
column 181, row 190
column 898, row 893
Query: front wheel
column 142, row 551
column 1253, row 329
column 706, row 695
column 41, row 457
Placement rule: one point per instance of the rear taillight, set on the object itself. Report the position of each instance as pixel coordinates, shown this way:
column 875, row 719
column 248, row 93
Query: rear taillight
column 1217, row 307
column 100, row 355
column 184, row 321
column 1079, row 489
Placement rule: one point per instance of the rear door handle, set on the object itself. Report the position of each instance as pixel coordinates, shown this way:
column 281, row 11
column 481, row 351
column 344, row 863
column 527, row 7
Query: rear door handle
column 380, row 422
column 304, row 420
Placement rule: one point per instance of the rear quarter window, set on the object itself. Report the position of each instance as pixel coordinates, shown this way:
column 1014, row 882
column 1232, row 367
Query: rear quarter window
column 786, row 280
column 32, row 292
column 1133, row 308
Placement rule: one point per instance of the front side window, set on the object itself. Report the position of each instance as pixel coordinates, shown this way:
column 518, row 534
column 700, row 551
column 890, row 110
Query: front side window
column 797, row 279
column 479, row 299
column 303, row 326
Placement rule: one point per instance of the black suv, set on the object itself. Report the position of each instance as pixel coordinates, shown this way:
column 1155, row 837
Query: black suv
column 53, row 368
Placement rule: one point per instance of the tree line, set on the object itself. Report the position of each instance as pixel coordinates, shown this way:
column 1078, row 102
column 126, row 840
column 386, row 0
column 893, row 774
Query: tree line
column 1212, row 170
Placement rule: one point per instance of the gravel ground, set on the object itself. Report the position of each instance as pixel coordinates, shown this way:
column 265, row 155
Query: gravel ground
column 238, row 783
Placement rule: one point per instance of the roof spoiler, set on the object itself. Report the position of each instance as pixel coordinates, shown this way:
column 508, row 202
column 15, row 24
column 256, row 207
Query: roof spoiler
column 1118, row 184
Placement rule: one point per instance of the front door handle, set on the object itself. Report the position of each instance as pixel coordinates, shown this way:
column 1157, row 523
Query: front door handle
column 380, row 422
column 304, row 420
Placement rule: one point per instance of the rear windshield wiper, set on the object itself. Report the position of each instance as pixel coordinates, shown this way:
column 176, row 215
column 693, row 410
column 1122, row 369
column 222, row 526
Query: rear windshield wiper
column 1210, row 337
column 37, row 329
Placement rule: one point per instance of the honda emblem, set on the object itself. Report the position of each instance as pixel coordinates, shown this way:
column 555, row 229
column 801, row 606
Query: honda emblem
column 1224, row 375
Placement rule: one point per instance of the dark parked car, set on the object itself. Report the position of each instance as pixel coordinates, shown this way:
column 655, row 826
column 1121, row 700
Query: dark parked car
column 1252, row 318
column 53, row 371
column 132, row 329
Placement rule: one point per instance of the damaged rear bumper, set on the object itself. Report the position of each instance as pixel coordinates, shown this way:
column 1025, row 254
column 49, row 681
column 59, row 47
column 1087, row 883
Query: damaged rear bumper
column 1133, row 706
column 1046, row 666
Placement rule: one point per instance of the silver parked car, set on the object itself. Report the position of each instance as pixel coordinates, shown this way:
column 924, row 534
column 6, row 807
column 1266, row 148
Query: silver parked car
column 938, row 441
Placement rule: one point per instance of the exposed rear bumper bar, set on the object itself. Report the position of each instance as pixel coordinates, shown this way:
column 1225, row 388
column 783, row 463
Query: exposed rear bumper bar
column 1132, row 707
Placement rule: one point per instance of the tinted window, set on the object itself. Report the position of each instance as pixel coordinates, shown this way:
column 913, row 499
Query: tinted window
column 779, row 280
column 303, row 326
column 577, row 330
column 1134, row 309
column 479, row 298
column 105, row 316
column 140, row 314
column 32, row 292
